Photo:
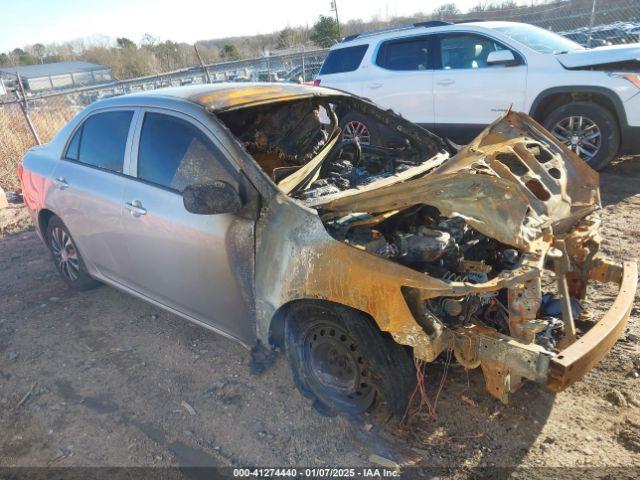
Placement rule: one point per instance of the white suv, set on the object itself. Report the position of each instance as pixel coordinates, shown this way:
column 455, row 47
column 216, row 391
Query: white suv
column 455, row 79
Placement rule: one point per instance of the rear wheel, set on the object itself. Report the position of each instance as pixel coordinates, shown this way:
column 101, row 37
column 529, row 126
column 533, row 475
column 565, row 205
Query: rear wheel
column 344, row 363
column 356, row 126
column 67, row 257
column 588, row 129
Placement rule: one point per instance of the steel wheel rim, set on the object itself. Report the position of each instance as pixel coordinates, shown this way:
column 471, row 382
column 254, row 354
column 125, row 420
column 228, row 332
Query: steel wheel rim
column 65, row 254
column 333, row 360
column 581, row 134
column 356, row 130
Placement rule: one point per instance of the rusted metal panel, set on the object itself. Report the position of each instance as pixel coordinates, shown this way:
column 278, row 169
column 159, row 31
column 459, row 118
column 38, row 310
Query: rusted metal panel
column 231, row 97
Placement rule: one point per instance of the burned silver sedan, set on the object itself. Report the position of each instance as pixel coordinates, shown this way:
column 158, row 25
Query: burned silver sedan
column 244, row 209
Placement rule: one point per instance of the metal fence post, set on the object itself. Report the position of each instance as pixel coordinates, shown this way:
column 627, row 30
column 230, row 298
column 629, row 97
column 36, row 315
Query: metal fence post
column 25, row 111
column 206, row 70
column 591, row 22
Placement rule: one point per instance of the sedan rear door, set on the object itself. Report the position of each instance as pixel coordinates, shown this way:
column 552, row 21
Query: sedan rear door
column 89, row 188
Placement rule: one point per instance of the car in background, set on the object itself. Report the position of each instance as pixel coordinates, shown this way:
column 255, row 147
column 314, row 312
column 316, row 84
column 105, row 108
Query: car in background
column 614, row 36
column 455, row 79
column 583, row 39
column 265, row 76
column 310, row 72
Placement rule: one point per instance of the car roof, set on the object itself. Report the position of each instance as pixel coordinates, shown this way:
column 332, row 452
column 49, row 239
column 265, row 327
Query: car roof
column 218, row 97
column 408, row 30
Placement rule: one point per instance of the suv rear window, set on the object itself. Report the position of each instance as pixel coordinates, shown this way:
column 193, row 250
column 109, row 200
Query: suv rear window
column 405, row 54
column 343, row 59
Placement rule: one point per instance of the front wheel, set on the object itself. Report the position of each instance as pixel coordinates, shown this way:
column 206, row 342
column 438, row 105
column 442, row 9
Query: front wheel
column 344, row 363
column 67, row 257
column 588, row 129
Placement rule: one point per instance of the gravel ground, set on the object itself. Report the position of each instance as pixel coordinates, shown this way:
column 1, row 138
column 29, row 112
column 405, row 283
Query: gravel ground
column 103, row 379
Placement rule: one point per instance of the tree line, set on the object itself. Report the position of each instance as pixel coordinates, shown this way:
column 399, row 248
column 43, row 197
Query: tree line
column 151, row 55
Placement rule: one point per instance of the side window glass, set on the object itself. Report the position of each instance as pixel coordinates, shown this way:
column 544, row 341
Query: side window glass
column 174, row 153
column 74, row 146
column 101, row 141
column 407, row 54
column 464, row 51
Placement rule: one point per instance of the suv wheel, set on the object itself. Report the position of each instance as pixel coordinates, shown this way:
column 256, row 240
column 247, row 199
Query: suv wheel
column 354, row 125
column 344, row 363
column 588, row 129
column 67, row 257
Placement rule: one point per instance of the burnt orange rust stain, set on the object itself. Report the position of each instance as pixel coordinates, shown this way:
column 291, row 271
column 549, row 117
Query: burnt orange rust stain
column 238, row 96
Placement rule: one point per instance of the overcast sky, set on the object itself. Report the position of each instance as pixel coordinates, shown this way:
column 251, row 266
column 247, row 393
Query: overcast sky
column 25, row 22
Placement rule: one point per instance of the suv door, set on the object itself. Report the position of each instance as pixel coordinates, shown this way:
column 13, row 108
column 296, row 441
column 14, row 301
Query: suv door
column 401, row 78
column 342, row 69
column 184, row 261
column 89, row 187
column 469, row 93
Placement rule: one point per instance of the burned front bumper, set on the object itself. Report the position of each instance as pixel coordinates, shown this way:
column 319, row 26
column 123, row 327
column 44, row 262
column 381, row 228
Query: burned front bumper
column 573, row 362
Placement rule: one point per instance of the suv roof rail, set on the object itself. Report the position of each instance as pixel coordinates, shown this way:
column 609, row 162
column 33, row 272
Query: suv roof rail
column 471, row 20
column 406, row 26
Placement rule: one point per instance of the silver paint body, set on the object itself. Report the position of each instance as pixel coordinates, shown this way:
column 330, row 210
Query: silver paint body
column 138, row 237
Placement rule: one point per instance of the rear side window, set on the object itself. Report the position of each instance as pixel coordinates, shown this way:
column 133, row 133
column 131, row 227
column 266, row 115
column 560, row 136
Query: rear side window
column 101, row 140
column 343, row 59
column 174, row 153
column 406, row 54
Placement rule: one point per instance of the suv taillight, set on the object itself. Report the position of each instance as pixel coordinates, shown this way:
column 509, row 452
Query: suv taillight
column 316, row 82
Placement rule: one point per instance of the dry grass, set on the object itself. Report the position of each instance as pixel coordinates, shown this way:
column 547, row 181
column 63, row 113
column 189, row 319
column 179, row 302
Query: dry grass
column 48, row 116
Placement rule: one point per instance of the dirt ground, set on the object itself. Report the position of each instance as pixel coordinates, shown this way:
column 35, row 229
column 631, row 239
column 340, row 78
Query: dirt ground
column 103, row 379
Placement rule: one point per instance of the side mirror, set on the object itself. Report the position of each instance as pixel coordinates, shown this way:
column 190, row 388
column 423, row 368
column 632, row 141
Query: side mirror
column 211, row 199
column 501, row 57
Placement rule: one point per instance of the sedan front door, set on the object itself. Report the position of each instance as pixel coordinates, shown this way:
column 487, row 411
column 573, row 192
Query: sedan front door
column 189, row 263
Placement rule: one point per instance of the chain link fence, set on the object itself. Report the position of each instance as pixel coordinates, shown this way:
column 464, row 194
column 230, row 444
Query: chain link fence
column 48, row 113
column 589, row 22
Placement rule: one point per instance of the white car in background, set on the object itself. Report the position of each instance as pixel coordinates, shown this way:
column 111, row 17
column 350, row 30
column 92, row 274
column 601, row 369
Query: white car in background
column 455, row 79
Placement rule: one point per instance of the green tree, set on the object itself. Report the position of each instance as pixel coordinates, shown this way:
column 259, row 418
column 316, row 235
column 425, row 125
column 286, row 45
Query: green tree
column 447, row 10
column 325, row 32
column 286, row 38
column 23, row 58
column 4, row 59
column 230, row 52
column 125, row 43
column 38, row 51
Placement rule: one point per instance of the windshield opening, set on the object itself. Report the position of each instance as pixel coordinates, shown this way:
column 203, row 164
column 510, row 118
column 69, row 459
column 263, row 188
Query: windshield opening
column 316, row 147
column 539, row 39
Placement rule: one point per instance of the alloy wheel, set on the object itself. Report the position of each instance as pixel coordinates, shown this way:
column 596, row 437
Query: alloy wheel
column 580, row 134
column 356, row 130
column 65, row 254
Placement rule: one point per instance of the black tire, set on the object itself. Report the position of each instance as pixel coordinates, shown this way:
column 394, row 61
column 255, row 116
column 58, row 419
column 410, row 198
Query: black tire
column 67, row 257
column 355, row 118
column 344, row 363
column 601, row 117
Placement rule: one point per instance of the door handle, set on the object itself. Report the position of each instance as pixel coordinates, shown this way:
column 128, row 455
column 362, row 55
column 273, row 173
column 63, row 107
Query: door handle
column 446, row 81
column 375, row 85
column 136, row 208
column 62, row 183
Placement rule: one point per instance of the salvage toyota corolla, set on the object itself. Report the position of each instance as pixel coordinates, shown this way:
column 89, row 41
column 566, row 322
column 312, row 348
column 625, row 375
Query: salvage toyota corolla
column 242, row 208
